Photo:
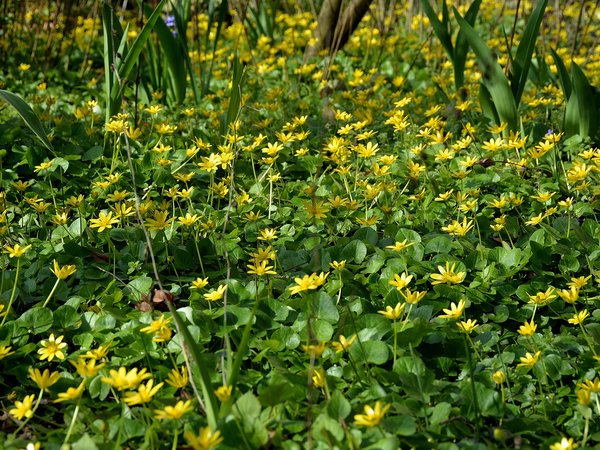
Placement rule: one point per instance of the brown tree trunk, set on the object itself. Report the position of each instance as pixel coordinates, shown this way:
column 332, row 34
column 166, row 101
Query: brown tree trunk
column 334, row 26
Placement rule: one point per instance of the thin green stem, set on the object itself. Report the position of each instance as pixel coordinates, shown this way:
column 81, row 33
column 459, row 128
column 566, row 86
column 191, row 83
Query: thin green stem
column 13, row 292
column 72, row 424
column 473, row 389
column 51, row 292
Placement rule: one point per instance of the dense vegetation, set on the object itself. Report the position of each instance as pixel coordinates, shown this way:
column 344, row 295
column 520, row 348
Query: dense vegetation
column 213, row 239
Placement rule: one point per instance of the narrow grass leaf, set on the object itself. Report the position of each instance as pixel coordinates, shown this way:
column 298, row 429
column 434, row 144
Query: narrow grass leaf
column 563, row 75
column 522, row 61
column 461, row 48
column 493, row 77
column 28, row 116
column 210, row 401
column 439, row 28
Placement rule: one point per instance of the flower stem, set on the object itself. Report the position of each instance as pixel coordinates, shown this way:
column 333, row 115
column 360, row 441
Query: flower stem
column 51, row 292
column 14, row 290
column 72, row 424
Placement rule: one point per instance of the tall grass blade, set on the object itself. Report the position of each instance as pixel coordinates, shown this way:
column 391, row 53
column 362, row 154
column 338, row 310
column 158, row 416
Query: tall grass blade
column 441, row 29
column 235, row 95
column 112, row 32
column 522, row 61
column 222, row 14
column 494, row 79
column 210, row 401
column 581, row 113
column 563, row 75
column 140, row 41
column 28, row 116
column 461, row 47
column 175, row 59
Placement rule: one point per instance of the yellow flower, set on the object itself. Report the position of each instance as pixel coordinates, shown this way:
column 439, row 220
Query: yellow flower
column 5, row 351
column 174, row 412
column 584, row 396
column 71, row 393
column 160, row 329
column 468, row 326
column 499, row 377
column 52, row 348
column 536, row 220
column 206, row 439
column 455, row 311
column 457, row 228
column 542, row 298
column 318, row 378
column 564, row 444
column 579, row 283
column 123, row 379
column 199, row 283
column 24, row 408
column 188, row 219
column 63, row 272
column 579, row 317
column 223, row 393
column 178, row 378
column 307, row 282
column 528, row 328
column 17, row 251
column 98, row 353
column 43, row 166
column 267, row 234
column 399, row 246
column 529, row 360
column 569, row 295
column 393, row 313
column 343, row 344
column 447, row 275
column 104, row 221
column 591, row 385
column 316, row 349
column 217, row 294
column 143, row 395
column 338, row 265
column 116, row 126
column 261, row 269
column 401, row 281
column 413, row 297
column 87, row 369
column 43, row 380
column 159, row 221
column 372, row 415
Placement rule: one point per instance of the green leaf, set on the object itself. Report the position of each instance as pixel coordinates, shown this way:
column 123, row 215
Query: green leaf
column 439, row 413
column 140, row 285
column 28, row 116
column 370, row 352
column 36, row 320
column 140, row 41
column 354, row 251
column 338, row 407
column 461, row 48
column 563, row 75
column 493, row 77
column 66, row 317
column 175, row 57
column 246, row 407
column 401, row 425
column 235, row 95
column 581, row 111
column 441, row 29
column 522, row 61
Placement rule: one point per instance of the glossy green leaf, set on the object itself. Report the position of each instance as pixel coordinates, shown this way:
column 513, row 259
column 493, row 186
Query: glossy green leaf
column 28, row 116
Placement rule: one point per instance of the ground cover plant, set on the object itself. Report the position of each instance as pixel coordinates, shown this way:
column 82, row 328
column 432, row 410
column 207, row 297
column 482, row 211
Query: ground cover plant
column 216, row 237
